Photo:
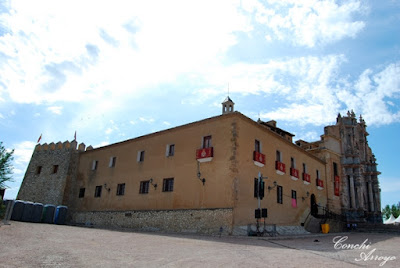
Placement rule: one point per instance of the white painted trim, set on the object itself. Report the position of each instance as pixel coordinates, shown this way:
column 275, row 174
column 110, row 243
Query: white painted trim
column 207, row 159
column 258, row 164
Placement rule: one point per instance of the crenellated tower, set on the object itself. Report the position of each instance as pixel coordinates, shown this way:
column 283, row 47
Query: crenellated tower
column 49, row 173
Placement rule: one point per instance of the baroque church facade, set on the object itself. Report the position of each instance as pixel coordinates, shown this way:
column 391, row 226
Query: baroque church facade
column 204, row 177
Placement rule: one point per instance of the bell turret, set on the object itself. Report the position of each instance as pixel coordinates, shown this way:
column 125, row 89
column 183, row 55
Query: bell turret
column 227, row 106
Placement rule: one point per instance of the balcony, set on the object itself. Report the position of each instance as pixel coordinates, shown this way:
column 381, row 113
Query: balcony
column 306, row 178
column 320, row 184
column 204, row 154
column 294, row 173
column 280, row 168
column 259, row 159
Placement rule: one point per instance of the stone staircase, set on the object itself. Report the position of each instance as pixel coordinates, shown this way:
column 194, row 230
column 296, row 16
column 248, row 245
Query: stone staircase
column 313, row 224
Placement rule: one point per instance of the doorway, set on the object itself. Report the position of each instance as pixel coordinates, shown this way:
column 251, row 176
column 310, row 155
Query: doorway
column 314, row 206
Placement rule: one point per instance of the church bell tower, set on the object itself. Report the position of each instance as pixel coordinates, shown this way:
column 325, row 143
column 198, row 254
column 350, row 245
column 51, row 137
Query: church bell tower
column 228, row 106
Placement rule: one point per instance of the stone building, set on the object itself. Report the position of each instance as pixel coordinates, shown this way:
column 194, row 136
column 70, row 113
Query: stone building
column 356, row 178
column 203, row 176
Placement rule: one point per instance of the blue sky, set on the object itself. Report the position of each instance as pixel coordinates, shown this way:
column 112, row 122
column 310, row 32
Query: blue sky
column 115, row 71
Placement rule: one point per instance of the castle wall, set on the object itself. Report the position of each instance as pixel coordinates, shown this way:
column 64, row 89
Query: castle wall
column 188, row 191
column 206, row 221
column 47, row 174
column 104, row 186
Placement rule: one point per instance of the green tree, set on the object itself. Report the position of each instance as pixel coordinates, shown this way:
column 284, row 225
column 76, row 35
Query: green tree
column 5, row 165
column 386, row 212
column 395, row 210
column 391, row 210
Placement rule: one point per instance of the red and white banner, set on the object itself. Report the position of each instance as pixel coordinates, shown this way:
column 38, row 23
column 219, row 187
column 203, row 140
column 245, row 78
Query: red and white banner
column 337, row 185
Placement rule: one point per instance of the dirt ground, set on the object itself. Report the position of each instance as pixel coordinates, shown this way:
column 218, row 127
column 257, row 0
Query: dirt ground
column 45, row 245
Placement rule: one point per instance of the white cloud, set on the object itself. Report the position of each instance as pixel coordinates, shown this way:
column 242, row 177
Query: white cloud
column 121, row 48
column 23, row 152
column 18, row 171
column 309, row 136
column 55, row 109
column 370, row 94
column 108, row 131
column 202, row 95
column 304, row 87
column 146, row 120
column 101, row 144
column 308, row 23
column 308, row 89
column 128, row 49
column 1, row 116
column 166, row 123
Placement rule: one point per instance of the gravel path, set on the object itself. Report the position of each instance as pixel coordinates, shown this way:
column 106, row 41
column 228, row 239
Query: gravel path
column 45, row 245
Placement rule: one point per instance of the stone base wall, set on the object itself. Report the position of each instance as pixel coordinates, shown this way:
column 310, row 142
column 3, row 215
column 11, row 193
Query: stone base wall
column 204, row 221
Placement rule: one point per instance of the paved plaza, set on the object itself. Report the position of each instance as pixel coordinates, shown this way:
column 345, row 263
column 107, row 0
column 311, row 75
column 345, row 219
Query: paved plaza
column 46, row 245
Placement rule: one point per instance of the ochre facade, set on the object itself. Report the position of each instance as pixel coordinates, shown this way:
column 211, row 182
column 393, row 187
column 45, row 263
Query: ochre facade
column 200, row 177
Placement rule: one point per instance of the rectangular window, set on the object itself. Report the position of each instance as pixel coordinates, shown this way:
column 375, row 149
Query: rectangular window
column 170, row 151
column 113, row 160
column 278, row 156
column 144, row 187
column 168, row 185
column 140, row 156
column 207, row 142
column 94, row 164
column 81, row 192
column 292, row 162
column 294, row 199
column 38, row 170
column 257, row 146
column 279, row 192
column 335, row 169
column 304, row 168
column 318, row 174
column 121, row 189
column 97, row 192
column 294, row 195
column 55, row 169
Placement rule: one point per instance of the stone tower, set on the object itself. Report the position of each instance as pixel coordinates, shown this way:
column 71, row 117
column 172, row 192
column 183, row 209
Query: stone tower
column 352, row 176
column 228, row 106
column 48, row 176
column 360, row 185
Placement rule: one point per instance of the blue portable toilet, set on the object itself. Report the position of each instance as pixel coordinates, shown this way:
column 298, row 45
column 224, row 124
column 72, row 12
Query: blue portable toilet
column 37, row 212
column 17, row 210
column 61, row 215
column 27, row 212
column 48, row 213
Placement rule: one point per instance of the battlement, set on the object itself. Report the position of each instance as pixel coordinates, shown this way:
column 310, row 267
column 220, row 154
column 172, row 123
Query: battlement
column 67, row 145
